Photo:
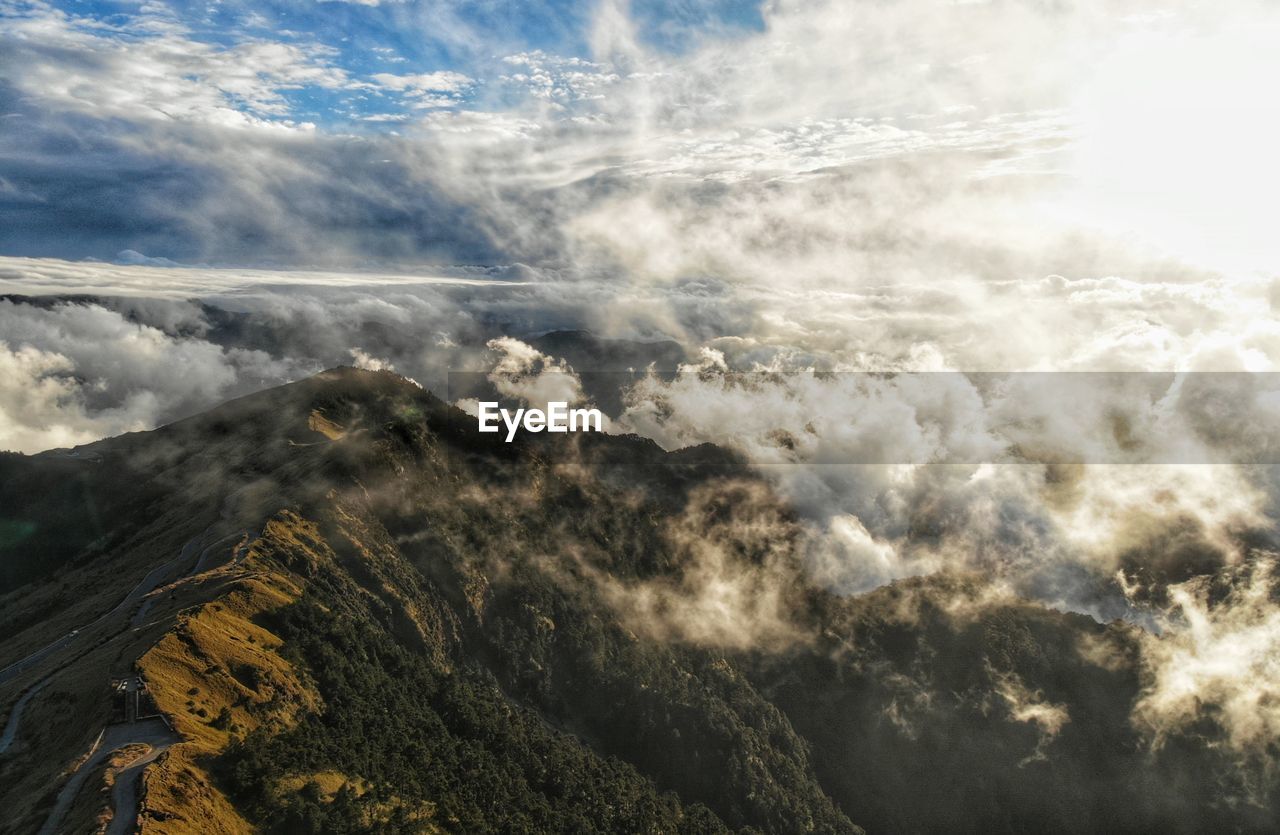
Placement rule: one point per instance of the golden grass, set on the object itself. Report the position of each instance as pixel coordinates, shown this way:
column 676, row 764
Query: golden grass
column 328, row 782
column 317, row 422
column 218, row 675
column 179, row 797
column 91, row 811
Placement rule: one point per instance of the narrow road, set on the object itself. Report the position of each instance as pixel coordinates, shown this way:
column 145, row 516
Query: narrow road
column 153, row 732
column 127, row 790
column 144, row 586
column 207, row 554
column 187, row 551
column 36, row 657
column 147, row 584
column 15, row 715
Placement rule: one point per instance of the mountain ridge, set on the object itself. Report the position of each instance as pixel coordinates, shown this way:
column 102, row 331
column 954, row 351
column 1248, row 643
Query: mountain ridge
column 372, row 618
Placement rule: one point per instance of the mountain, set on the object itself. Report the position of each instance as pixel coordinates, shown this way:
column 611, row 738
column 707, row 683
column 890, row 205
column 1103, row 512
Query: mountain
column 335, row 607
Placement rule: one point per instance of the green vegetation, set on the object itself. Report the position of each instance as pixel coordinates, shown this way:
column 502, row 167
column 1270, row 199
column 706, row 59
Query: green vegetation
column 437, row 749
column 434, row 631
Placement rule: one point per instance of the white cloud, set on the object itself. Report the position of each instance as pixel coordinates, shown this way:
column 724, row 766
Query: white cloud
column 38, row 404
column 1218, row 660
column 75, row 373
column 73, row 63
column 524, row 373
column 557, row 79
column 366, row 361
column 718, row 598
column 427, row 90
column 1031, row 707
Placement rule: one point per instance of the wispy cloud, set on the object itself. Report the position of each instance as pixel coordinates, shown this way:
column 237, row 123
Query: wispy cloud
column 825, row 187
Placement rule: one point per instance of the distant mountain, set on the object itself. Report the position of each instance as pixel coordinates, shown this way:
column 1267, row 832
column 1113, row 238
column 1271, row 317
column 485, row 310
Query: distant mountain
column 354, row 613
column 587, row 352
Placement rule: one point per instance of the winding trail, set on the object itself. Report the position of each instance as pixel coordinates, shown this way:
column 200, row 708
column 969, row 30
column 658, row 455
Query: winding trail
column 205, row 556
column 15, row 715
column 145, row 586
column 187, row 551
column 153, row 732
column 127, row 790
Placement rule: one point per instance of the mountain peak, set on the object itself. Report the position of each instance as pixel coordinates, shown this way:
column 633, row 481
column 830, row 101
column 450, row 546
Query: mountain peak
column 351, row 611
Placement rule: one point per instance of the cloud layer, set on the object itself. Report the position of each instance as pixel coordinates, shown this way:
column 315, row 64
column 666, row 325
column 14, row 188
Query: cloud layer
column 811, row 187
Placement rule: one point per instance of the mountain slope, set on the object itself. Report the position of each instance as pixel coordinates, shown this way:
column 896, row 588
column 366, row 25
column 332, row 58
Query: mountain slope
column 361, row 615
column 422, row 547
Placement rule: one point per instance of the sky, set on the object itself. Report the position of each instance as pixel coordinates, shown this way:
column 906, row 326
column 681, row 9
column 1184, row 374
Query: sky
column 397, row 134
column 242, row 193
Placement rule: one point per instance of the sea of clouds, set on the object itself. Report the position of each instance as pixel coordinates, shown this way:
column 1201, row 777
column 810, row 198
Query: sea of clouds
column 953, row 190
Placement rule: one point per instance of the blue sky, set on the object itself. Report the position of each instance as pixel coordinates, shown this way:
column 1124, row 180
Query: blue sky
column 666, row 138
column 857, row 185
column 366, row 38
column 260, row 132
